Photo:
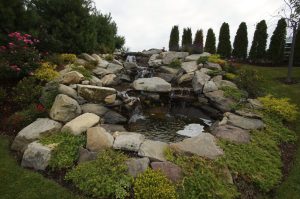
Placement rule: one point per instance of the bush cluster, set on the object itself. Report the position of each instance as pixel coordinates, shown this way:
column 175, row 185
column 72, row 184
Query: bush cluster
column 202, row 60
column 46, row 72
column 175, row 63
column 216, row 59
column 233, row 93
column 85, row 72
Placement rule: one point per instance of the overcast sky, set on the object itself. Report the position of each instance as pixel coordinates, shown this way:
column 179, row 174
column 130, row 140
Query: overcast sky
column 147, row 23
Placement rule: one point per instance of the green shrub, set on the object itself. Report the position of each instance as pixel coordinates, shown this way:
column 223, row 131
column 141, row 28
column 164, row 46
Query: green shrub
column 27, row 91
column 249, row 80
column 86, row 73
column 175, row 63
column 3, row 95
column 105, row 177
column 153, row 184
column 68, row 58
column 50, row 91
column 216, row 59
column 91, row 65
column 66, row 149
column 282, row 108
column 46, row 72
column 230, row 76
column 215, row 72
column 202, row 60
column 233, row 93
column 109, row 58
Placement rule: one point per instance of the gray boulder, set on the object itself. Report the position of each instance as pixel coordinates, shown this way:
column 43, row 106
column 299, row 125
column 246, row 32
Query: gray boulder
column 186, row 78
column 170, row 170
column 155, row 60
column 98, row 139
column 95, row 93
column 169, row 70
column 128, row 141
column 66, row 90
column 97, row 109
column 232, row 134
column 170, row 56
column 137, row 166
column 130, row 65
column 87, row 57
column 114, row 68
column 243, row 122
column 210, row 86
column 95, row 81
column 154, row 84
column 199, row 80
column 101, row 72
column 109, row 80
column 111, row 128
column 72, row 77
column 219, row 101
column 112, row 117
column 154, row 150
column 86, row 155
column 189, row 67
column 213, row 66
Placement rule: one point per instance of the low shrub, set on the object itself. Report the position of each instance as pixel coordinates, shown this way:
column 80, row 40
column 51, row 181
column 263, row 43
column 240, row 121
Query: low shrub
column 249, row 80
column 175, row 63
column 109, row 58
column 230, row 76
column 3, row 95
column 202, row 60
column 153, row 184
column 214, row 73
column 91, row 65
column 216, row 59
column 50, row 91
column 27, row 91
column 61, row 59
column 68, row 58
column 66, row 150
column 105, row 177
column 86, row 73
column 282, row 107
column 46, row 72
column 231, row 67
column 233, row 93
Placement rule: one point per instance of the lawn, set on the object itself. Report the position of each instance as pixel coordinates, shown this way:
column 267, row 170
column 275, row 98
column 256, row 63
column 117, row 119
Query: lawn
column 16, row 182
column 290, row 188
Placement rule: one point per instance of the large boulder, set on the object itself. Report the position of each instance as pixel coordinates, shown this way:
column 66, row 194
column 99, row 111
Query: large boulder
column 225, row 83
column 170, row 56
column 210, row 86
column 36, row 156
column 114, row 68
column 154, row 84
column 32, row 132
column 219, row 101
column 112, row 117
column 193, row 57
column 128, row 141
column 152, row 51
column 232, row 134
column 88, row 57
column 130, row 65
column 109, row 80
column 95, row 81
column 64, row 108
column 243, row 122
column 72, row 77
column 199, row 80
column 189, row 67
column 97, row 57
column 97, row 109
column 203, row 145
column 169, row 70
column 98, row 139
column 186, row 78
column 170, row 170
column 101, row 72
column 154, row 150
column 95, row 93
column 213, row 66
column 67, row 90
column 155, row 60
column 137, row 166
column 81, row 123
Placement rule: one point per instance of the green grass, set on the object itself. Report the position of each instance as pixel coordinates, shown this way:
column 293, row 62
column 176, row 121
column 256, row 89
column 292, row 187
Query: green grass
column 290, row 188
column 19, row 183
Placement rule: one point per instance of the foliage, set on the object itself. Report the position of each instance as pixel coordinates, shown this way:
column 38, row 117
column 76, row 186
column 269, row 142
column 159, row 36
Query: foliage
column 68, row 58
column 297, row 50
column 233, row 93
column 65, row 152
column 240, row 45
column 198, row 42
column 109, row 58
column 278, row 40
column 215, row 58
column 224, row 45
column 175, row 63
column 50, row 91
column 187, row 40
column 210, row 44
column 282, row 107
column 46, row 72
column 202, row 60
column 18, row 56
column 27, row 91
column 3, row 95
column 153, row 184
column 249, row 80
column 86, row 73
column 230, row 76
column 105, row 177
column 259, row 43
column 174, row 39
column 215, row 72
column 203, row 178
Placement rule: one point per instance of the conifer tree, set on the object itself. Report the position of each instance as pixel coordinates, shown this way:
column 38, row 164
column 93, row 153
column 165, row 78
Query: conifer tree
column 224, row 46
column 187, row 40
column 259, row 43
column 240, row 45
column 174, row 39
column 278, row 39
column 210, row 43
column 297, row 50
column 198, row 42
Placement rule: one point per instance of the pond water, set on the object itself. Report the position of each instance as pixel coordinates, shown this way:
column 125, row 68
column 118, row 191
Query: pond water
column 165, row 123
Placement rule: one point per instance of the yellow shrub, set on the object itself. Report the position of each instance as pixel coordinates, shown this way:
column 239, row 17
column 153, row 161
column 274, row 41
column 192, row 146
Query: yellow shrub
column 280, row 107
column 68, row 58
column 230, row 76
column 216, row 59
column 46, row 72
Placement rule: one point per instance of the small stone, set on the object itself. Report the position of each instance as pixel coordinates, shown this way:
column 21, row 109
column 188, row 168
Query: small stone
column 98, row 139
column 170, row 170
column 128, row 141
column 110, row 99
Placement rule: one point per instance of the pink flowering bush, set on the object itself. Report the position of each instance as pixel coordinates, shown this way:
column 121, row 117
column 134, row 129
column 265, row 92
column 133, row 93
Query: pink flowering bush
column 19, row 57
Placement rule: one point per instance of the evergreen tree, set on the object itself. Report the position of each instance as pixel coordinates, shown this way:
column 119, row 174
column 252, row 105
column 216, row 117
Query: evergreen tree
column 198, row 42
column 278, row 40
column 240, row 44
column 210, row 43
column 174, row 39
column 297, row 49
column 259, row 43
column 224, row 46
column 187, row 40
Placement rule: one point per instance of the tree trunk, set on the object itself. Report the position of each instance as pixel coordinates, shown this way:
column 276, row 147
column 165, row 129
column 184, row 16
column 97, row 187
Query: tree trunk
column 291, row 58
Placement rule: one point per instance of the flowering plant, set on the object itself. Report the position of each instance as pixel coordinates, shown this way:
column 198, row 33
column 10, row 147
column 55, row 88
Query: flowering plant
column 19, row 57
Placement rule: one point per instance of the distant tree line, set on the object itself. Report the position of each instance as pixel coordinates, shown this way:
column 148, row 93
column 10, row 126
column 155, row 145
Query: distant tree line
column 73, row 26
column 259, row 53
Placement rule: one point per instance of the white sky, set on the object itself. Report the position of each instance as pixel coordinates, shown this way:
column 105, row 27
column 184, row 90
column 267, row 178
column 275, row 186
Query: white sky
column 147, row 23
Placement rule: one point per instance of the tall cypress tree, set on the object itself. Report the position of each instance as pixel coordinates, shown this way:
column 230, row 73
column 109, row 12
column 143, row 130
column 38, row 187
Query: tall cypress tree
column 278, row 39
column 210, row 43
column 297, row 50
column 198, row 42
column 224, row 46
column 240, row 45
column 174, row 39
column 187, row 40
column 259, row 43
